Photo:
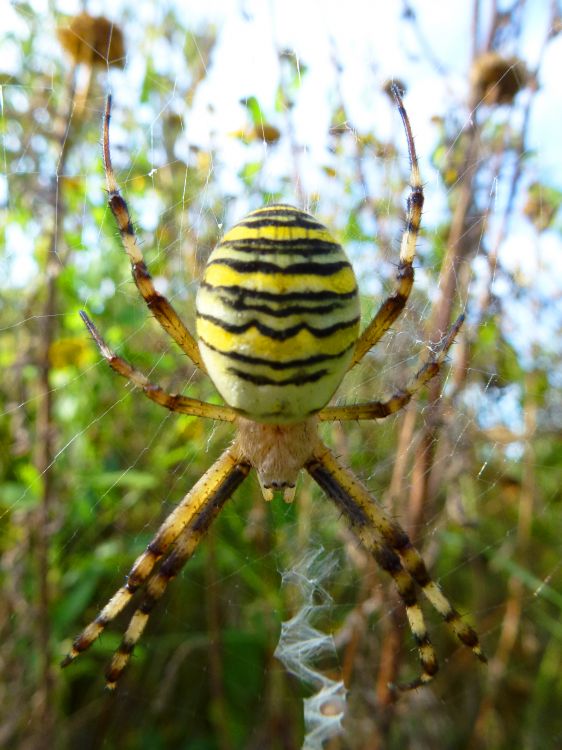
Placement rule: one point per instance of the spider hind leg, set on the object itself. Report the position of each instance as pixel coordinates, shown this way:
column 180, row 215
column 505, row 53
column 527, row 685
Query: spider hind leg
column 390, row 562
column 182, row 529
column 414, row 564
column 183, row 549
column 390, row 546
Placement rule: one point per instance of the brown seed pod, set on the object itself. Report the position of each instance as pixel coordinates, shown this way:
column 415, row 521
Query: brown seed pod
column 388, row 86
column 93, row 40
column 496, row 79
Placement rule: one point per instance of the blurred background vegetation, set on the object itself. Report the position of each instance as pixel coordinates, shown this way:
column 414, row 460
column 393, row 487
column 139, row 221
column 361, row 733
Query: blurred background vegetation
column 89, row 467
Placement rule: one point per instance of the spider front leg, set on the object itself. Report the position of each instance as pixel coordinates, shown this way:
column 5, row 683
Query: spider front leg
column 391, row 308
column 156, row 302
column 394, row 552
column 195, row 512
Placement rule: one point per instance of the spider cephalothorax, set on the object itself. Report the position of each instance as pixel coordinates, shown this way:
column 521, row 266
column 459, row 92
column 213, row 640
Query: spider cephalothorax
column 278, row 328
column 278, row 452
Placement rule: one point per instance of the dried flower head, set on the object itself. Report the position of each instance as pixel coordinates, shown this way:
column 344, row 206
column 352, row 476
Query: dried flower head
column 496, row 79
column 93, row 40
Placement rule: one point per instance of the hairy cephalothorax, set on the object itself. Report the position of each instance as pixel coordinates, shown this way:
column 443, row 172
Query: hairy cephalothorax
column 278, row 452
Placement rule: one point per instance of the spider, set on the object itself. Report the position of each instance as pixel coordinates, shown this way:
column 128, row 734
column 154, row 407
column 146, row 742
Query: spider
column 277, row 329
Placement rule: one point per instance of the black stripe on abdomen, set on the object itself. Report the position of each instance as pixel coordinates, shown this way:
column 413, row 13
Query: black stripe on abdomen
column 283, row 334
column 294, row 269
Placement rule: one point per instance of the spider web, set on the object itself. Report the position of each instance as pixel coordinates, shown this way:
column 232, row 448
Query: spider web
column 193, row 153
column 301, row 645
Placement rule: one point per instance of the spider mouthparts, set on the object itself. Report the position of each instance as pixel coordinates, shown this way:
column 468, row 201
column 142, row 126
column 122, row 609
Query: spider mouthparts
column 289, row 494
column 267, row 492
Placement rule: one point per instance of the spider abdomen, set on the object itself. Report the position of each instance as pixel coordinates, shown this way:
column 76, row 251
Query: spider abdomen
column 277, row 315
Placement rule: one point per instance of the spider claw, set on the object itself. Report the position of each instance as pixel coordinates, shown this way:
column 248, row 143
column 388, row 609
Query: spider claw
column 69, row 658
column 406, row 687
column 477, row 651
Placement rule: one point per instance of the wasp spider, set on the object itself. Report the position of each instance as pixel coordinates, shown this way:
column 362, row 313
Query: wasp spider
column 277, row 329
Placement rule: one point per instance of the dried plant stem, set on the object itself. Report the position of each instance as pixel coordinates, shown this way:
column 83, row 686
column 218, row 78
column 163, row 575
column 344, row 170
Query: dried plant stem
column 515, row 586
column 219, row 715
column 43, row 710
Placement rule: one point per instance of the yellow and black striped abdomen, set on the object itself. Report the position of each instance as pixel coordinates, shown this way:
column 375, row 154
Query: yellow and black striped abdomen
column 277, row 315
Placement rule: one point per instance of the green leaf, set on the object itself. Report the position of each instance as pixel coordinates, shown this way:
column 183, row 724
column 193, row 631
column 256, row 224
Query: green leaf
column 254, row 110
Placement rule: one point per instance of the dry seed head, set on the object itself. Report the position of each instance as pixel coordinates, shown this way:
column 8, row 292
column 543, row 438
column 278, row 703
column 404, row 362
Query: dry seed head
column 496, row 79
column 93, row 40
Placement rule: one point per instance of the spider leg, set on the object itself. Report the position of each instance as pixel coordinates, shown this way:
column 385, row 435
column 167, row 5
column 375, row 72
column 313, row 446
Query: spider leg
column 183, row 549
column 172, row 401
column 388, row 560
column 394, row 552
column 210, row 492
column 391, row 308
column 381, row 409
column 157, row 303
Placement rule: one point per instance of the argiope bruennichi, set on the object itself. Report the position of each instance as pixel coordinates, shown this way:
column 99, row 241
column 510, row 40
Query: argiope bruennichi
column 277, row 329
